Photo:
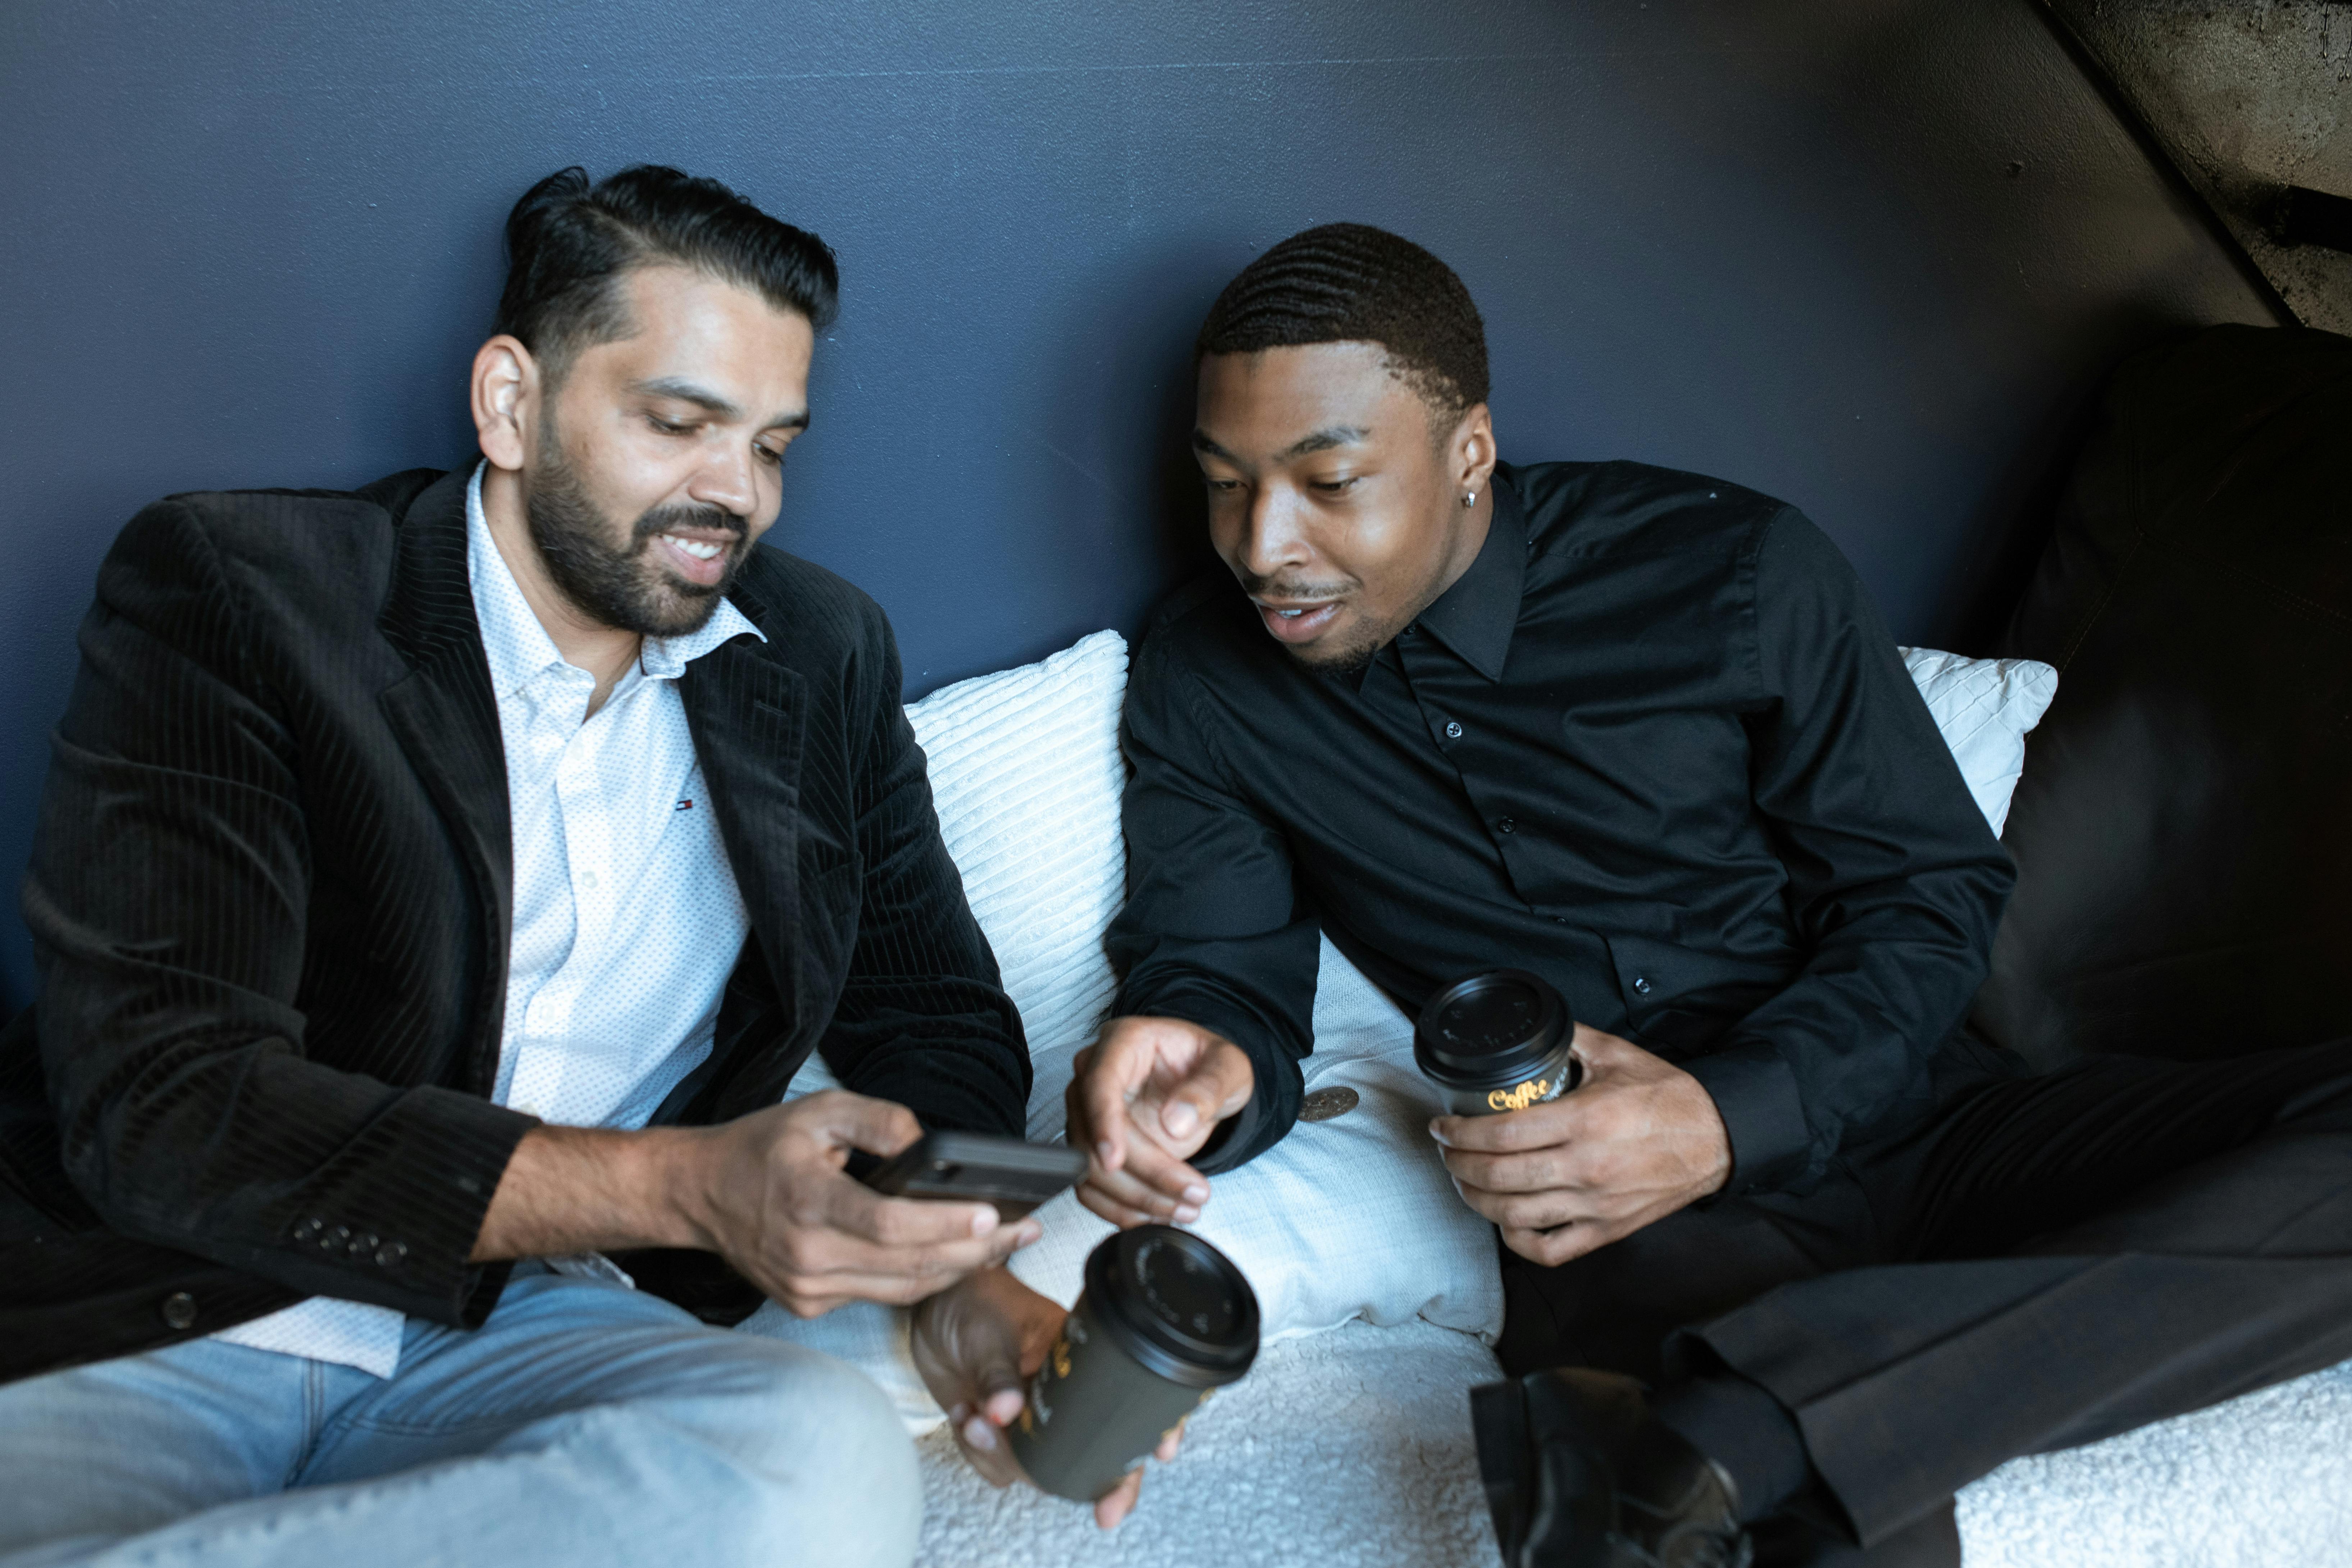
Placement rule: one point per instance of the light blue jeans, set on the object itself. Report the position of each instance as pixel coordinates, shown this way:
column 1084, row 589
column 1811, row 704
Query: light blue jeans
column 584, row 1424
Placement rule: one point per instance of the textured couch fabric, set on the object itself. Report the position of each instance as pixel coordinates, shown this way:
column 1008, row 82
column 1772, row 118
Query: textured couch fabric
column 1353, row 1449
column 1347, row 1448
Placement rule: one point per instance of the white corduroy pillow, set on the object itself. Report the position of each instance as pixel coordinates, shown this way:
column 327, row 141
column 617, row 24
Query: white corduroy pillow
column 1983, row 708
column 1026, row 775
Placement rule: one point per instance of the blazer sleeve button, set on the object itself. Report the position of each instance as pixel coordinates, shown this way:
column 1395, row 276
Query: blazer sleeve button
column 389, row 1254
column 179, row 1311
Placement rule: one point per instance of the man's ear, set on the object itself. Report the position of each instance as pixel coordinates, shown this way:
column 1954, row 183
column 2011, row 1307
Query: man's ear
column 1472, row 449
column 506, row 393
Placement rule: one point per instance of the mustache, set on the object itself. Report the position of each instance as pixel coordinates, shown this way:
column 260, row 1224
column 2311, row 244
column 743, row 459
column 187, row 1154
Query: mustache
column 663, row 519
column 1285, row 588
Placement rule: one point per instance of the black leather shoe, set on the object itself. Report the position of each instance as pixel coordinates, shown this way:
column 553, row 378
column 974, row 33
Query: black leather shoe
column 1580, row 1474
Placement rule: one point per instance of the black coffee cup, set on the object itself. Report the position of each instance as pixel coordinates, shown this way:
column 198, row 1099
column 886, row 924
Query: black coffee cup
column 1164, row 1320
column 1496, row 1042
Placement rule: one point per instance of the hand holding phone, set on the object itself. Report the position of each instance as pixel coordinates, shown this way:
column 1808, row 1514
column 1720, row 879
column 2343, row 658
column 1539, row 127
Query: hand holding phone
column 774, row 1194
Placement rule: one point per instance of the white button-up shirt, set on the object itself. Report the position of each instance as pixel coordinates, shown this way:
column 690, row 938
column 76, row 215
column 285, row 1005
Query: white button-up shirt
column 626, row 917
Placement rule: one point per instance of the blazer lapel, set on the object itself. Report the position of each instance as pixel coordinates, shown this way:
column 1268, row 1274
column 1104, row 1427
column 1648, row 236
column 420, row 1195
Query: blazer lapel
column 746, row 711
column 445, row 716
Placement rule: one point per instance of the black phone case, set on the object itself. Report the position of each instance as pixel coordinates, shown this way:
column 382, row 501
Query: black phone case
column 974, row 1167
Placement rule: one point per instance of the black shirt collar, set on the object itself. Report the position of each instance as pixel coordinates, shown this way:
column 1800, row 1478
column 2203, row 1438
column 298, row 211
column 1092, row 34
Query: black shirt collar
column 1476, row 617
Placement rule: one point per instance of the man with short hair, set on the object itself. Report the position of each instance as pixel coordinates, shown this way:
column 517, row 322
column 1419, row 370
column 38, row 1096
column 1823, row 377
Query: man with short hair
column 1641, row 734
column 437, row 887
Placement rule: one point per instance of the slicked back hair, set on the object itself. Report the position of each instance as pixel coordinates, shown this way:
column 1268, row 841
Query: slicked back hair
column 571, row 243
column 1348, row 282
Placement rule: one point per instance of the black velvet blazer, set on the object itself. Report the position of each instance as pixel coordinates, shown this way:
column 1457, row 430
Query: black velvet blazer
column 271, row 897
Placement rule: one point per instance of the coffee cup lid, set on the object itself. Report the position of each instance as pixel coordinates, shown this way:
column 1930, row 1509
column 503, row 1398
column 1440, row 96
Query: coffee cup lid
column 1493, row 1028
column 1178, row 1305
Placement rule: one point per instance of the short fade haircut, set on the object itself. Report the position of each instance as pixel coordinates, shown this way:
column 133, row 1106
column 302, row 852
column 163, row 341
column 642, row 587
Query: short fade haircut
column 569, row 243
column 1348, row 282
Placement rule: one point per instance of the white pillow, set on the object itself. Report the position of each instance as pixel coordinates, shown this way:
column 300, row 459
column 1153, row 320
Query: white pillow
column 1026, row 774
column 1983, row 708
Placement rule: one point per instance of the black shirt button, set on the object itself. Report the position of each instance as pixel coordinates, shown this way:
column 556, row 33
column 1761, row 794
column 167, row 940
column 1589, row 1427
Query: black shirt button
column 179, row 1311
column 1452, row 730
column 337, row 1236
column 390, row 1253
column 1411, row 629
column 1640, row 985
column 309, row 1228
column 362, row 1244
column 1507, row 825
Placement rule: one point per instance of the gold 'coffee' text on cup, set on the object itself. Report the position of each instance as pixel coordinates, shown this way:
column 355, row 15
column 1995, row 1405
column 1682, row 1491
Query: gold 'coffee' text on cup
column 1519, row 1098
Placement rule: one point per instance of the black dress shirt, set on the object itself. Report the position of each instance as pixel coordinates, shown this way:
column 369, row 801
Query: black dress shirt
column 1654, row 745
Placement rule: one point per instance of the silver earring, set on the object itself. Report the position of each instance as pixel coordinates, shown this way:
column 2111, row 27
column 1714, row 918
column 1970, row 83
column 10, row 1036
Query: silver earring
column 1469, row 498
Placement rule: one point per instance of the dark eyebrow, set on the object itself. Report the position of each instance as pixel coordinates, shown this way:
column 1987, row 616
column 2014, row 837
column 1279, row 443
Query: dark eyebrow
column 686, row 392
column 711, row 403
column 1202, row 443
column 1323, row 441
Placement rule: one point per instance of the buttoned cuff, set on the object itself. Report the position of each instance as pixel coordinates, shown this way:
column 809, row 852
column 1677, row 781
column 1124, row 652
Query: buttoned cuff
column 1756, row 1094
column 397, row 1227
column 1236, row 1137
column 1273, row 1104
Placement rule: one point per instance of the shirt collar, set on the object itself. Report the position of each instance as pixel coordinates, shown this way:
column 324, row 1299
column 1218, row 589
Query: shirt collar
column 1476, row 617
column 518, row 646
column 666, row 658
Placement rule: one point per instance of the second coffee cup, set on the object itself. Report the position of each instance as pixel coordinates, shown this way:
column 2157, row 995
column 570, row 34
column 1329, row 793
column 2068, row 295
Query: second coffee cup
column 1164, row 1318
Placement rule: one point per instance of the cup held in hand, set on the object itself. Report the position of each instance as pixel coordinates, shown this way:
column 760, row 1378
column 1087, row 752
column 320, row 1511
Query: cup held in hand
column 1164, row 1320
column 1496, row 1042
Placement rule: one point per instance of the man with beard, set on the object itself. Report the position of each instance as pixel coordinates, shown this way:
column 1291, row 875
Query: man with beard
column 437, row 888
column 1799, row 1256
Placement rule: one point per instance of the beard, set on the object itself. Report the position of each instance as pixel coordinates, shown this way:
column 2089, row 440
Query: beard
column 622, row 585
column 1342, row 659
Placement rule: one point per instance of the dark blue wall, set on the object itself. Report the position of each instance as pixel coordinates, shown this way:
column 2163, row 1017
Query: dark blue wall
column 1867, row 254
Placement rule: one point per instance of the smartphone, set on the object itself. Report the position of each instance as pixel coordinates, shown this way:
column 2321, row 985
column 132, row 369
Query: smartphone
column 978, row 1168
